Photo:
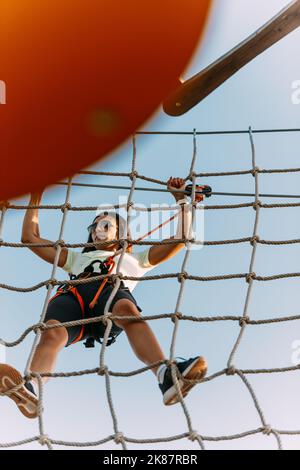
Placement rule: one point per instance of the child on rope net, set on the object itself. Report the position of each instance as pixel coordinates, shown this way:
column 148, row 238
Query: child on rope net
column 88, row 300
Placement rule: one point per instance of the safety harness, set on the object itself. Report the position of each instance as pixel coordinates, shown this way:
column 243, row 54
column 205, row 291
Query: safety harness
column 106, row 268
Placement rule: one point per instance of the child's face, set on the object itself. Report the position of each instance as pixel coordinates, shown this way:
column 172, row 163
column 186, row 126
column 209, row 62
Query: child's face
column 105, row 230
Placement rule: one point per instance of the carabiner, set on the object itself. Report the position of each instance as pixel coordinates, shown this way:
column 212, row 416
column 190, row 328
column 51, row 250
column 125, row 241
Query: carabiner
column 205, row 190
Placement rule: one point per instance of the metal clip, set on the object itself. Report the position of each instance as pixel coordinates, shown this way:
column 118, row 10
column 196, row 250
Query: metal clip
column 205, row 190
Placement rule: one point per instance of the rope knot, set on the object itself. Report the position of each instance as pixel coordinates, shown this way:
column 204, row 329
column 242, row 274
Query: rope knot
column 129, row 205
column 59, row 243
column 43, row 439
column 115, row 277
column 102, row 370
column 170, row 362
column 193, row 436
column 192, row 175
column 177, row 315
column 250, row 277
column 39, row 326
column 105, row 319
column 133, row 174
column 267, row 430
column 257, row 204
column 255, row 170
column 119, row 437
column 231, row 370
column 182, row 276
column 254, row 240
column 52, row 282
column 66, row 206
column 129, row 240
column 123, row 242
column 244, row 321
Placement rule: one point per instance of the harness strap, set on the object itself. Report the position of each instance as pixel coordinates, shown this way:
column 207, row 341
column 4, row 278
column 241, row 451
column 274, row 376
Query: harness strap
column 110, row 265
column 75, row 292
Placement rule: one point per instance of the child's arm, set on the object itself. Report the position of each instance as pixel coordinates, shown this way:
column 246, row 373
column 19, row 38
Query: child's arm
column 160, row 253
column 31, row 234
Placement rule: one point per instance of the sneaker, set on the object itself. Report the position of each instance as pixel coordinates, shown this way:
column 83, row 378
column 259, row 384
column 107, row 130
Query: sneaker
column 25, row 397
column 192, row 369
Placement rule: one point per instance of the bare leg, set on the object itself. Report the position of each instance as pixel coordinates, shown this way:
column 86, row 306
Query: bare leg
column 140, row 335
column 51, row 342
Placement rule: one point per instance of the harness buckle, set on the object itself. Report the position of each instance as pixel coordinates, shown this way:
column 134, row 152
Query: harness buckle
column 90, row 342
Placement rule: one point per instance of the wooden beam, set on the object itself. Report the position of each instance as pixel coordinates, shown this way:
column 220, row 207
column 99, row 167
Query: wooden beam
column 194, row 90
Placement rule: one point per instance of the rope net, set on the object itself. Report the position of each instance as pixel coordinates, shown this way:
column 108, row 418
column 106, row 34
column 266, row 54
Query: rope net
column 244, row 320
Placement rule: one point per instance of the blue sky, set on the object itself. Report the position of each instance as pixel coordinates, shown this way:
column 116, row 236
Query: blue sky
column 76, row 409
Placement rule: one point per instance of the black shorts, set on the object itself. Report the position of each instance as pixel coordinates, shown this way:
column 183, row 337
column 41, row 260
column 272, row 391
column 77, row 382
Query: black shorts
column 66, row 307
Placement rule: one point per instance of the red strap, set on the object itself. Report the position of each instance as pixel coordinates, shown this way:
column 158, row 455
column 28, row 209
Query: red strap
column 110, row 262
column 58, row 293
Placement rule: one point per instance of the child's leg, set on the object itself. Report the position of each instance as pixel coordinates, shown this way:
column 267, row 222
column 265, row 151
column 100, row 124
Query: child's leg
column 139, row 333
column 11, row 380
column 51, row 342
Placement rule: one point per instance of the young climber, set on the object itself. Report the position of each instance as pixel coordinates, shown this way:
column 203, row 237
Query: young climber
column 88, row 300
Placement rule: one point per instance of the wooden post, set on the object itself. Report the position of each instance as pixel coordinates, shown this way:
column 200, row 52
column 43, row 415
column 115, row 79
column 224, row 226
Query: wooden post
column 195, row 89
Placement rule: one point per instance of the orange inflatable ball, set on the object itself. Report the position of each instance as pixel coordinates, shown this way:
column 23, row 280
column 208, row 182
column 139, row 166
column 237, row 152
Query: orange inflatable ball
column 78, row 77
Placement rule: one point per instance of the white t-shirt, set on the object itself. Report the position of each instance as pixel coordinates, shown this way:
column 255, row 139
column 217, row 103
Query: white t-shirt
column 133, row 264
